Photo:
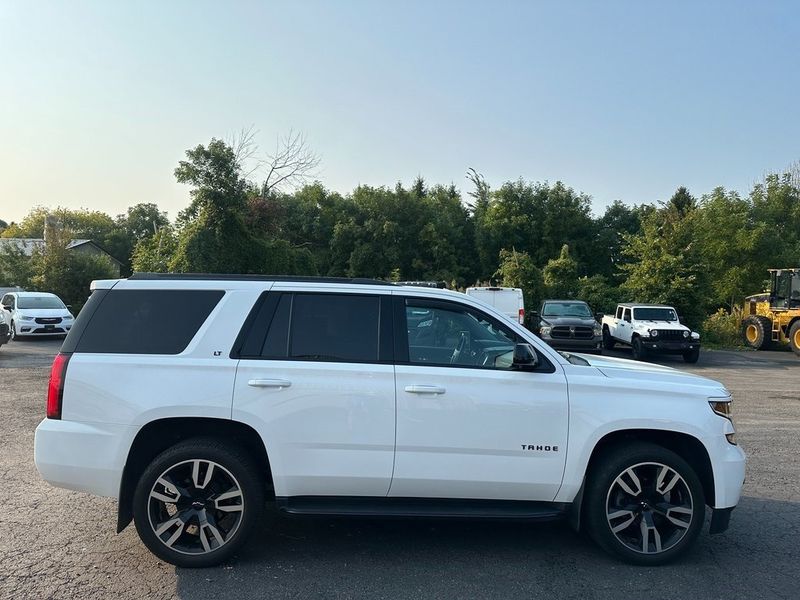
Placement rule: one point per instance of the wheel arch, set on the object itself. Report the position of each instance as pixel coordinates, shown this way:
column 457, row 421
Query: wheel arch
column 688, row 447
column 156, row 436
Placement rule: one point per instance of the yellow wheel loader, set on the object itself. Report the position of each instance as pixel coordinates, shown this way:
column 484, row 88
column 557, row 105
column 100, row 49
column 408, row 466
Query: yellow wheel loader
column 773, row 317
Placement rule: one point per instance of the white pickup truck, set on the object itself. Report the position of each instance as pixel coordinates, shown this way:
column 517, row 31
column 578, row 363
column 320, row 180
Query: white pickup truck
column 650, row 328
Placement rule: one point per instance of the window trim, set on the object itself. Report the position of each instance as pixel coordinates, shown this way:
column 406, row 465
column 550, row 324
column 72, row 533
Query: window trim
column 385, row 333
column 402, row 346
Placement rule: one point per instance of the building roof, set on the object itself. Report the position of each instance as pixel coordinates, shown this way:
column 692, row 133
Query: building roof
column 28, row 245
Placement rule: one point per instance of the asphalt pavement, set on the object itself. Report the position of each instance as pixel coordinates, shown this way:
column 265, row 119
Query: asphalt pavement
column 60, row 544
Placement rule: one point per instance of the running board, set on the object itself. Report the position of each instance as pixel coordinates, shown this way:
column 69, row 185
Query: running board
column 360, row 506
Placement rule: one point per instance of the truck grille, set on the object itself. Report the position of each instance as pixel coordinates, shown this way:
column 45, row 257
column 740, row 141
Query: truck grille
column 577, row 333
column 48, row 320
column 670, row 334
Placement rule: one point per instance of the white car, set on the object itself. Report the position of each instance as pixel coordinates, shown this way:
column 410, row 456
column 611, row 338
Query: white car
column 195, row 399
column 36, row 314
column 507, row 300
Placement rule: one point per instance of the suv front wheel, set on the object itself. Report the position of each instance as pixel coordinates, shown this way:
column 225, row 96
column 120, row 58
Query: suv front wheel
column 197, row 501
column 644, row 503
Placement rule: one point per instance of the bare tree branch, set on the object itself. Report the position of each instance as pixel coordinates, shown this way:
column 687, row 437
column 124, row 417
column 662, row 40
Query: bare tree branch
column 291, row 165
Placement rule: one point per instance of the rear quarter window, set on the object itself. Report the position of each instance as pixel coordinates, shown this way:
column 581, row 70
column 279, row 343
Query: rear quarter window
column 145, row 321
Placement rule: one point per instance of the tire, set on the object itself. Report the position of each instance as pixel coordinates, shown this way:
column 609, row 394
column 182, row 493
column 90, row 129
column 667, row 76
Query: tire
column 691, row 356
column 757, row 332
column 218, row 499
column 794, row 337
column 639, row 352
column 608, row 341
column 615, row 519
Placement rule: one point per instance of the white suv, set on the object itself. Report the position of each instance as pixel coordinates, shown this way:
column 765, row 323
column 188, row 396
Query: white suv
column 195, row 399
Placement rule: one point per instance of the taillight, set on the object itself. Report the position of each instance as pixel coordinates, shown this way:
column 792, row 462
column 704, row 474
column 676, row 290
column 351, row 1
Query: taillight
column 55, row 389
column 522, row 316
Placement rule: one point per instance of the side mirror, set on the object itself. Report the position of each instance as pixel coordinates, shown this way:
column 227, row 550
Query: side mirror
column 525, row 358
column 598, row 317
column 69, row 306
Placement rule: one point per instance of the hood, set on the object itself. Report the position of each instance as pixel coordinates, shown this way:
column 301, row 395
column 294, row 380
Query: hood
column 44, row 312
column 570, row 321
column 623, row 368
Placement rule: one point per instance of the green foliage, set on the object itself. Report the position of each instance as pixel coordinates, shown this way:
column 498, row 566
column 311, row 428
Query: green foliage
column 15, row 267
column 3, row 225
column 667, row 265
column 517, row 270
column 723, row 328
column 598, row 293
column 561, row 275
column 537, row 218
column 67, row 273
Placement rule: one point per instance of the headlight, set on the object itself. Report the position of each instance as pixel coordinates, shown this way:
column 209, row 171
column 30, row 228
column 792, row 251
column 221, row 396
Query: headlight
column 654, row 333
column 685, row 334
column 545, row 330
column 25, row 318
column 598, row 330
column 695, row 335
column 724, row 408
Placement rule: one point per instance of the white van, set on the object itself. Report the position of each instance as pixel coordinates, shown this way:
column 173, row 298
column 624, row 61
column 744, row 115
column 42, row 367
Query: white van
column 507, row 300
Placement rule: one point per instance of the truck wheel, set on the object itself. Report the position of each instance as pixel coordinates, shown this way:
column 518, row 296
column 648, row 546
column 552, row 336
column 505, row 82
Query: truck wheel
column 794, row 337
column 196, row 502
column 691, row 356
column 757, row 332
column 639, row 352
column 644, row 503
column 608, row 341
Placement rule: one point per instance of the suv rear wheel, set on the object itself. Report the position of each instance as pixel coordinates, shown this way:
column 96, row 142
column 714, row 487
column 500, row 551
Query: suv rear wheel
column 644, row 503
column 197, row 501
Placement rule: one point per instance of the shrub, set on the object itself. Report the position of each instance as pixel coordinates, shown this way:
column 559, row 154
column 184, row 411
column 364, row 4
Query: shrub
column 722, row 328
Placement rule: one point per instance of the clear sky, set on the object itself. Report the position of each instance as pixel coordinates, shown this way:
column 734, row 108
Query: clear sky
column 621, row 100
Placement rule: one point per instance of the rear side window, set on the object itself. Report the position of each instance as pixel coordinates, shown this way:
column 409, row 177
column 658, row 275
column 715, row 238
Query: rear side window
column 334, row 327
column 147, row 321
column 319, row 327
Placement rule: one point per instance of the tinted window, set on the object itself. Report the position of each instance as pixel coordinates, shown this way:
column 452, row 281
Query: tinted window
column 336, row 327
column 147, row 321
column 456, row 336
column 627, row 314
column 276, row 344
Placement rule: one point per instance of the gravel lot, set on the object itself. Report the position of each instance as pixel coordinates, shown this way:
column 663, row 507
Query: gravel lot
column 60, row 544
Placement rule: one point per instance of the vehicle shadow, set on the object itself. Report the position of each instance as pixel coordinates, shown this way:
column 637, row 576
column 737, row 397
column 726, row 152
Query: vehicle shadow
column 373, row 558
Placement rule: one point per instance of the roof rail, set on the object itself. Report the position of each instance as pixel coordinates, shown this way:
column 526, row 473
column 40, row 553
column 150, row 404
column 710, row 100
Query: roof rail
column 253, row 277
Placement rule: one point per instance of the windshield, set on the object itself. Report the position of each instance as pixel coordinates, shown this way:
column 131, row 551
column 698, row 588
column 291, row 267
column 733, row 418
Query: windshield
column 39, row 302
column 654, row 314
column 566, row 309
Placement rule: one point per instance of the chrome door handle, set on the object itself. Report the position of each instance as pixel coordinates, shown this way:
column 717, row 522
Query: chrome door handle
column 424, row 389
column 269, row 383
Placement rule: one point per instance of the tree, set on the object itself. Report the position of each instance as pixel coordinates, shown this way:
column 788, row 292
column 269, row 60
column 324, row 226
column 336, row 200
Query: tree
column 517, row 270
column 293, row 164
column 617, row 220
column 561, row 275
column 666, row 265
column 67, row 273
column 3, row 225
column 537, row 218
column 142, row 221
column 155, row 253
column 598, row 293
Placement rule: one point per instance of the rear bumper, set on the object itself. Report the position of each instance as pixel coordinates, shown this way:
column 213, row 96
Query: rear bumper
column 87, row 457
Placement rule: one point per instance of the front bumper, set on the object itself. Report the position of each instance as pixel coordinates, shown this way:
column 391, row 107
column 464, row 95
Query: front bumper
column 670, row 346
column 585, row 345
column 32, row 328
column 87, row 457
